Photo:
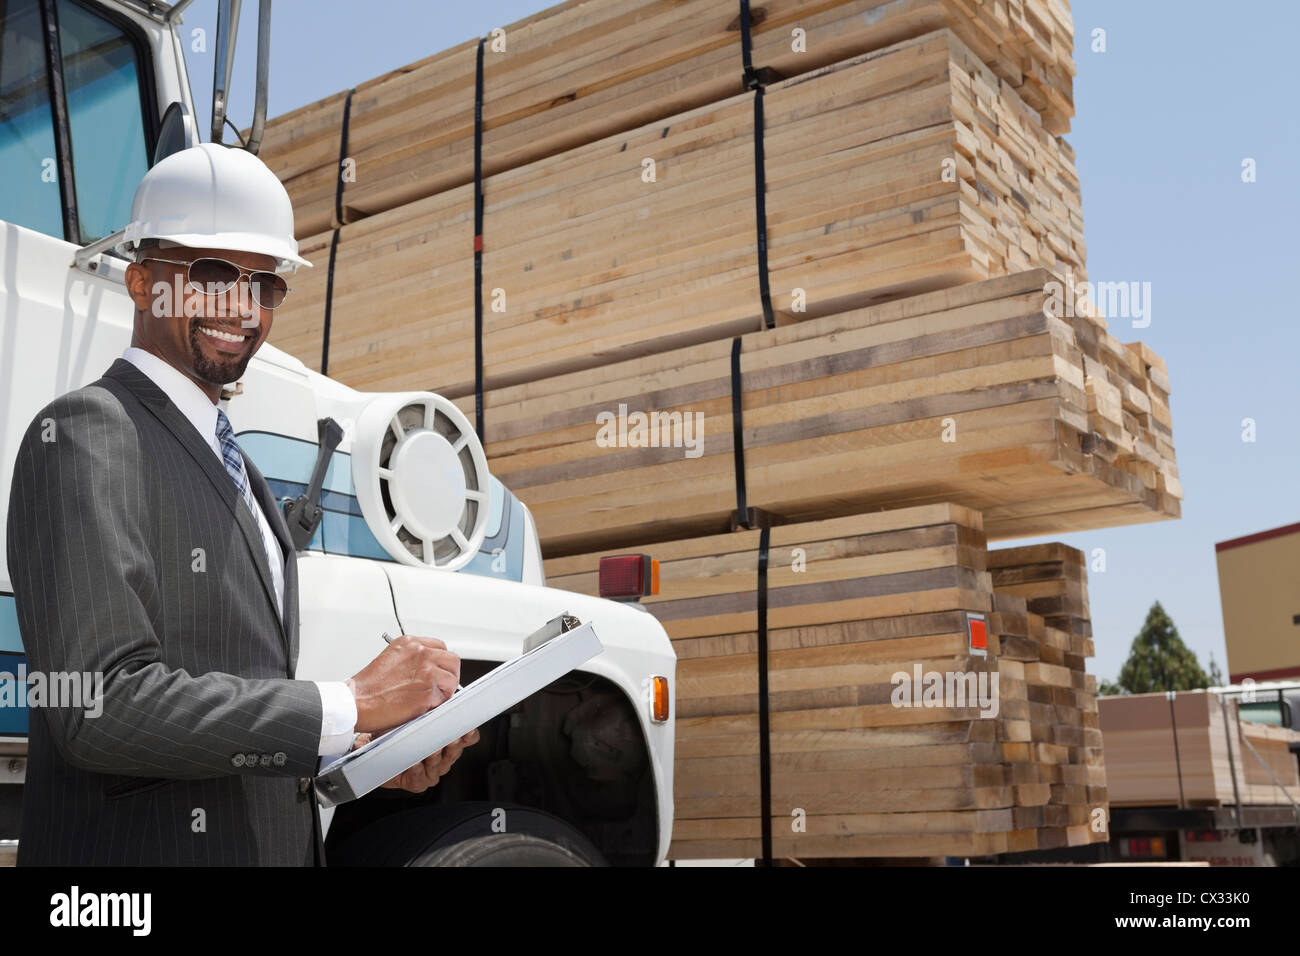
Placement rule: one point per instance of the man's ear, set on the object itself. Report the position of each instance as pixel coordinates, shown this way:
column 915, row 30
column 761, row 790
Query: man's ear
column 139, row 285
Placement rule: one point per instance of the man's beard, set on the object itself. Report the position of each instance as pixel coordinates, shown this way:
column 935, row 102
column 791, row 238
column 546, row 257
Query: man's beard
column 221, row 371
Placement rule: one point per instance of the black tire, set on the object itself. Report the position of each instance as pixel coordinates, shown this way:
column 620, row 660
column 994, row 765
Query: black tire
column 502, row 849
column 409, row 837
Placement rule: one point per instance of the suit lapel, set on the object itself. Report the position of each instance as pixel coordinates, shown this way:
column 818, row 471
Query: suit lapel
column 156, row 400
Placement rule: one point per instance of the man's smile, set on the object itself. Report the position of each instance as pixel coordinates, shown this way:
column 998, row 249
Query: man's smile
column 225, row 339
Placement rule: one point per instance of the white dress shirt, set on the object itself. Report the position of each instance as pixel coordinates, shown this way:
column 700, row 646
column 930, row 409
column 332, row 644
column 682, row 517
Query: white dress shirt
column 338, row 706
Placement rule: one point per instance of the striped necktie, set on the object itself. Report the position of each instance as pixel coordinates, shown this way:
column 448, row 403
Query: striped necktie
column 234, row 461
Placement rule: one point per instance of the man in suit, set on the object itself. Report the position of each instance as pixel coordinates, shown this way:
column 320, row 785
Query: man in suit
column 146, row 548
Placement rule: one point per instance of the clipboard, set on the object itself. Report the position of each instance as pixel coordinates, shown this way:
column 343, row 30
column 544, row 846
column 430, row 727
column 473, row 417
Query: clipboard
column 559, row 646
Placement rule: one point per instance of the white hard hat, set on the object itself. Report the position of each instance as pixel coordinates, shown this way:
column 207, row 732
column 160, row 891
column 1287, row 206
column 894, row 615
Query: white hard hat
column 214, row 197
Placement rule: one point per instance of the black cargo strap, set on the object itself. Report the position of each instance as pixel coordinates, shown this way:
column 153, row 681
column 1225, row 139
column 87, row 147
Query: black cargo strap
column 743, row 516
column 753, row 81
column 746, row 517
column 738, row 435
column 760, row 211
column 747, row 47
column 334, row 239
column 478, row 242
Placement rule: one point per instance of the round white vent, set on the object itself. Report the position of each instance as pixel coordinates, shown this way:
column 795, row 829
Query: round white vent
column 422, row 479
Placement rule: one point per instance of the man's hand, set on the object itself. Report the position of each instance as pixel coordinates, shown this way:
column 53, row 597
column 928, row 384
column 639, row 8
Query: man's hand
column 426, row 773
column 412, row 675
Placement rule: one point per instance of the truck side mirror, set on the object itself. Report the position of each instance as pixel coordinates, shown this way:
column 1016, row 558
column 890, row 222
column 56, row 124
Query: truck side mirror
column 177, row 131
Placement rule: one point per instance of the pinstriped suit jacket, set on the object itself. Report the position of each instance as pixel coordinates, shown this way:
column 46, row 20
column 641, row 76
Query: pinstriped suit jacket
column 132, row 555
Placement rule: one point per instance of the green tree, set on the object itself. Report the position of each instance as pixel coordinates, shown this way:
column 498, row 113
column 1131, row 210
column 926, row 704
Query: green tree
column 1159, row 660
column 1216, row 675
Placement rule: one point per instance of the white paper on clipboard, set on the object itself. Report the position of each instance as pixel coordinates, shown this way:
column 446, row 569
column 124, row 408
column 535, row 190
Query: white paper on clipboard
column 356, row 773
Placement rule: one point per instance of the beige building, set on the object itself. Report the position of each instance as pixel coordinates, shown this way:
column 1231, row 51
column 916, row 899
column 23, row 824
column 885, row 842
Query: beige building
column 1259, row 588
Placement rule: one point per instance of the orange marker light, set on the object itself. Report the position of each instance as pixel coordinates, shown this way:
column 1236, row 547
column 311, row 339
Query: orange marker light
column 659, row 707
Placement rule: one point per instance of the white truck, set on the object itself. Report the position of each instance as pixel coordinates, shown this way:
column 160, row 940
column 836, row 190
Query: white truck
column 401, row 527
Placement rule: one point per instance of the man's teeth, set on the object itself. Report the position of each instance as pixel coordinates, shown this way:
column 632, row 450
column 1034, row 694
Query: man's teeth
column 224, row 336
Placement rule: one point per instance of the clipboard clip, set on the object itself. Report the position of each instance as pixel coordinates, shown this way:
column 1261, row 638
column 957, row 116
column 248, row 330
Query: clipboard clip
column 560, row 624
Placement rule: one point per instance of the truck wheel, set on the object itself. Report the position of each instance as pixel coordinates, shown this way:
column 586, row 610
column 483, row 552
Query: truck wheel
column 413, row 836
column 503, row 849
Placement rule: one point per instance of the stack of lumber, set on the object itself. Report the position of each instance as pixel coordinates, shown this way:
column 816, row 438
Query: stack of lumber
column 581, row 71
column 1053, row 580
column 1142, row 765
column 1058, row 748
column 892, row 173
column 874, row 595
column 852, row 602
column 848, row 413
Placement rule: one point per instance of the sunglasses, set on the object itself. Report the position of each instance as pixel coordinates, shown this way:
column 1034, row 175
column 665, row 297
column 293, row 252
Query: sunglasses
column 218, row 276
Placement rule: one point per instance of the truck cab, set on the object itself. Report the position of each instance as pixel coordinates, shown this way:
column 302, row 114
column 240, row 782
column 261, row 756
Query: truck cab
column 414, row 535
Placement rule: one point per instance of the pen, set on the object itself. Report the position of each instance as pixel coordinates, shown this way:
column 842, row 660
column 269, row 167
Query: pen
column 389, row 640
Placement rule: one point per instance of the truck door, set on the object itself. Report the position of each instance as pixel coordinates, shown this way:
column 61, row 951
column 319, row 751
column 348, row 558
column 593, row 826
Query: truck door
column 77, row 125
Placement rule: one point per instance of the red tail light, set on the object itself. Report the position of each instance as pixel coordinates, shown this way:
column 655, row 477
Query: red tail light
column 628, row 577
column 1142, row 848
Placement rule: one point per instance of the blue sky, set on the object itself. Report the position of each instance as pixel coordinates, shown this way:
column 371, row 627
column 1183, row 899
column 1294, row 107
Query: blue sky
column 1164, row 118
